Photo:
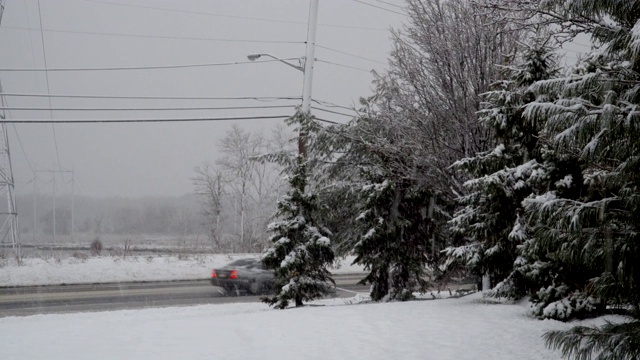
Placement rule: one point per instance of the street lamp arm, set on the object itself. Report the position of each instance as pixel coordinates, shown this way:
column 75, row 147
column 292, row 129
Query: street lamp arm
column 253, row 57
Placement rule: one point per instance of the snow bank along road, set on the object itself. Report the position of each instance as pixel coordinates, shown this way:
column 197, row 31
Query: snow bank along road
column 112, row 296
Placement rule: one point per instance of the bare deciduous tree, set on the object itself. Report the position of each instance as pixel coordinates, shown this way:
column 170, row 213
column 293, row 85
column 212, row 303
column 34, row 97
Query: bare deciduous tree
column 238, row 190
column 239, row 147
column 210, row 188
column 443, row 60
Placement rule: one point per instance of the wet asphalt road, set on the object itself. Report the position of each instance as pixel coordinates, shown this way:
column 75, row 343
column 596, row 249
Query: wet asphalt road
column 32, row 300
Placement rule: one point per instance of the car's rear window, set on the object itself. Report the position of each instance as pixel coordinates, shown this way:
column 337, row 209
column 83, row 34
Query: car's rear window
column 244, row 263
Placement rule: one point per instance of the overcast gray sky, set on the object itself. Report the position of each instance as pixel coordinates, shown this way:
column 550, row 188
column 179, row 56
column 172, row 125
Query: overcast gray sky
column 158, row 158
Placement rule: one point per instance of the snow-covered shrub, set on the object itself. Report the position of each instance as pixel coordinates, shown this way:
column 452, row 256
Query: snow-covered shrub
column 556, row 302
column 96, row 247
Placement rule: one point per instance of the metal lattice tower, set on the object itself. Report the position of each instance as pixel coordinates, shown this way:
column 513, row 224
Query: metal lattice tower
column 9, row 230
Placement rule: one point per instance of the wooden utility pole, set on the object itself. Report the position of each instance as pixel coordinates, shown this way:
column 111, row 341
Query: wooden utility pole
column 309, row 63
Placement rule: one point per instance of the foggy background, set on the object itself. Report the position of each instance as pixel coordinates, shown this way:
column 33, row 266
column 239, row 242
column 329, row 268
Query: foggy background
column 158, row 159
column 136, row 179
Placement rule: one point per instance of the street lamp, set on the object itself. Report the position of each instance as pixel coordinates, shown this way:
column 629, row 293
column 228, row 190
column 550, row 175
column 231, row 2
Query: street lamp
column 254, row 57
column 306, row 90
column 306, row 68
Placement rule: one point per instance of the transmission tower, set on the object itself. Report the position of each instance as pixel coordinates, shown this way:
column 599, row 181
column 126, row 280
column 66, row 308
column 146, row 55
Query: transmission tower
column 9, row 230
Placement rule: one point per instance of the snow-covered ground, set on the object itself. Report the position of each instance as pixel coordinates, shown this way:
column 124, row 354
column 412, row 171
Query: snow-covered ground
column 463, row 328
column 457, row 329
column 36, row 271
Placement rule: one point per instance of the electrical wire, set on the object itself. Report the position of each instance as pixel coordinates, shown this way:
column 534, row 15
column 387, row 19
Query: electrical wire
column 379, row 7
column 579, row 44
column 150, row 109
column 330, row 104
column 138, row 67
column 342, row 65
column 101, row 121
column 126, row 97
column 22, row 147
column 390, row 4
column 31, row 47
column 155, row 36
column 5, row 103
column 349, row 54
column 197, row 12
column 573, row 51
column 328, row 121
column 333, row 112
column 44, row 55
column 232, row 16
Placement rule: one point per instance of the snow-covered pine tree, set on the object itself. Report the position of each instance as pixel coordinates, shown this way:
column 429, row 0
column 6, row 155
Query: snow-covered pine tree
column 394, row 226
column 301, row 249
column 597, row 119
column 396, row 240
column 491, row 219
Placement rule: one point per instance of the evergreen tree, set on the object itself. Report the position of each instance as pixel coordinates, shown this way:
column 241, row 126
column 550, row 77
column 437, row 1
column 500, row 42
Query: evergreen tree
column 594, row 230
column 396, row 240
column 301, row 249
column 491, row 219
column 390, row 228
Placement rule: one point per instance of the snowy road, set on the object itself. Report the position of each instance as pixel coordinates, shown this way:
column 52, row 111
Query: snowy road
column 17, row 301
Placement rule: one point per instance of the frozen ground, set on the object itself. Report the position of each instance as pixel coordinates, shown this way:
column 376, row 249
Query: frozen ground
column 464, row 328
column 456, row 329
column 36, row 271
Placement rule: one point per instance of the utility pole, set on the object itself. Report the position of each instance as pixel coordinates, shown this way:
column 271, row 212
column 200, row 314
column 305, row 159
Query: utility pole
column 307, row 69
column 309, row 63
column 9, row 227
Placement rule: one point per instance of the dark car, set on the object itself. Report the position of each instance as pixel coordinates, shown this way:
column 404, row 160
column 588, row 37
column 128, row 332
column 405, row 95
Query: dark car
column 244, row 275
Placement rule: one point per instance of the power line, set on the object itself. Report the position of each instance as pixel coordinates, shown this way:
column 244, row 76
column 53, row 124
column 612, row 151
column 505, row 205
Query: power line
column 573, row 51
column 44, row 55
column 156, row 36
column 22, row 147
column 390, row 4
column 197, row 12
column 379, row 7
column 138, row 67
column 349, row 54
column 126, row 97
column 232, row 16
column 330, row 104
column 151, row 109
column 580, row 44
column 353, row 27
column 327, row 121
column 55, row 142
column 333, row 112
column 100, row 121
column 342, row 65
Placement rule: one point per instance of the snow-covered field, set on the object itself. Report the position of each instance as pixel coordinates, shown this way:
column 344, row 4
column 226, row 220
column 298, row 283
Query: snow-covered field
column 463, row 328
column 457, row 329
column 36, row 271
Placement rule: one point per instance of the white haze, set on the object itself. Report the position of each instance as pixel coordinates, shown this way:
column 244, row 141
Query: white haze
column 158, row 158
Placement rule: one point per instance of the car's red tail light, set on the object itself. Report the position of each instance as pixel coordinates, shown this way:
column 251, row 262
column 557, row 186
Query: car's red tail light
column 233, row 275
column 214, row 274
